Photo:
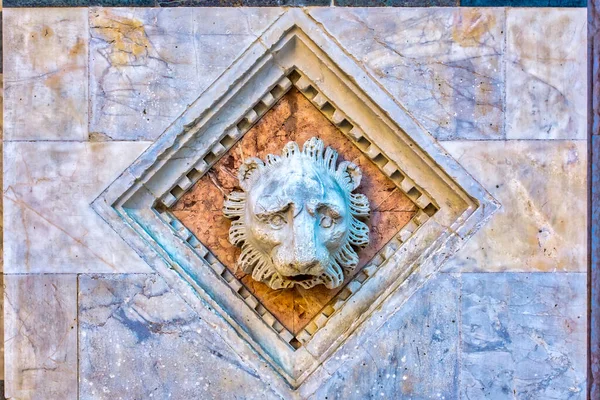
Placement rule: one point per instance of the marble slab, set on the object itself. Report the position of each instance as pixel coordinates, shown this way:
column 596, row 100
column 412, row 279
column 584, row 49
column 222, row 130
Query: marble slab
column 595, row 269
column 507, row 319
column 148, row 64
column 295, row 3
column 396, row 3
column 546, row 92
column 542, row 188
column 133, row 327
column 413, row 355
column 40, row 313
column 140, row 340
column 49, row 225
column 45, row 74
column 594, row 125
column 523, row 3
column 444, row 65
column 523, row 336
column 1, row 240
column 79, row 3
column 594, row 62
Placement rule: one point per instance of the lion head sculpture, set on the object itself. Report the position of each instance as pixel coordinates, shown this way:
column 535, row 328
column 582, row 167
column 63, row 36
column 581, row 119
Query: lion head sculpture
column 297, row 220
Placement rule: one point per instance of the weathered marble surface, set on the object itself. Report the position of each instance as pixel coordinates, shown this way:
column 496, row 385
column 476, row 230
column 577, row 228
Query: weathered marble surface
column 396, row 3
column 594, row 329
column 147, row 65
column 139, row 340
column 513, row 327
column 40, row 314
column 542, row 188
column 523, row 3
column 413, row 355
column 49, row 224
column 45, row 74
column 443, row 65
column 132, row 327
column 546, row 89
column 594, row 125
column 523, row 336
column 594, row 62
column 1, row 239
column 293, row 118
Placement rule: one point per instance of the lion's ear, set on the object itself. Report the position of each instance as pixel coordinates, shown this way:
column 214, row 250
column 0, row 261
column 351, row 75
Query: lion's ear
column 248, row 172
column 349, row 174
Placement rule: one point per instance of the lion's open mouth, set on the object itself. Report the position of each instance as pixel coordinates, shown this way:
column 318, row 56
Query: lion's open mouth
column 300, row 278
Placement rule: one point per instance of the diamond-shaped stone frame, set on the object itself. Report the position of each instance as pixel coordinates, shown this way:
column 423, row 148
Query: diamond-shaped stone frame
column 348, row 128
column 453, row 205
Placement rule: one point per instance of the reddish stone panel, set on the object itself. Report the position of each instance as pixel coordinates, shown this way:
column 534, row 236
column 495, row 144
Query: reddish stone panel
column 293, row 118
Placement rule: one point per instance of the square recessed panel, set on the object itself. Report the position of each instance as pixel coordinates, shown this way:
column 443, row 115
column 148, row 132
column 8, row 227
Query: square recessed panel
column 440, row 204
column 293, row 118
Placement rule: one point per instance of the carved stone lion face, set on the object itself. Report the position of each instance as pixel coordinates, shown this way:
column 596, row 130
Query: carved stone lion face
column 297, row 220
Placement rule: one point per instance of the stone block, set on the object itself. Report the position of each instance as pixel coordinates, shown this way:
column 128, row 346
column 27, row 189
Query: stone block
column 40, row 313
column 45, row 74
column 140, row 340
column 546, row 92
column 413, row 355
column 444, row 65
column 49, row 225
column 524, row 336
column 541, row 186
column 147, row 65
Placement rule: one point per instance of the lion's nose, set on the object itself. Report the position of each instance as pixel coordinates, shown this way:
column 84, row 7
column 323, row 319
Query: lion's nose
column 301, row 254
column 304, row 247
column 304, row 267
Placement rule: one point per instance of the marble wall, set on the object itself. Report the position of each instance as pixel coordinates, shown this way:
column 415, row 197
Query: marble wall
column 503, row 90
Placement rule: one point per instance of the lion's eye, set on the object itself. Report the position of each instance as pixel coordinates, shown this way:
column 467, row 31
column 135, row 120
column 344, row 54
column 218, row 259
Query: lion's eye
column 326, row 221
column 276, row 221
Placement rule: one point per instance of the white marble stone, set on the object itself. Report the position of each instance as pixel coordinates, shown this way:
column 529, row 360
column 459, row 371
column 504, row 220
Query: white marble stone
column 148, row 64
column 169, row 160
column 594, row 43
column 40, row 314
column 546, row 69
column 49, row 225
column 443, row 64
column 140, row 340
column 542, row 189
column 523, row 336
column 45, row 73
column 1, row 239
column 482, row 335
column 414, row 355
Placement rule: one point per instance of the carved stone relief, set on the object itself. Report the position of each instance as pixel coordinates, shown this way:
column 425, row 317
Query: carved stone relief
column 297, row 220
column 295, row 52
column 292, row 118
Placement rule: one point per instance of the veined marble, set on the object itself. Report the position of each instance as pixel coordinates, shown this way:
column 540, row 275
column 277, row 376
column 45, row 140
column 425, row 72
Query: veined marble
column 87, row 318
column 444, row 65
column 542, row 187
column 148, row 64
column 546, row 89
column 40, row 317
column 45, row 74
column 413, row 355
column 49, row 224
column 139, row 340
column 524, row 336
